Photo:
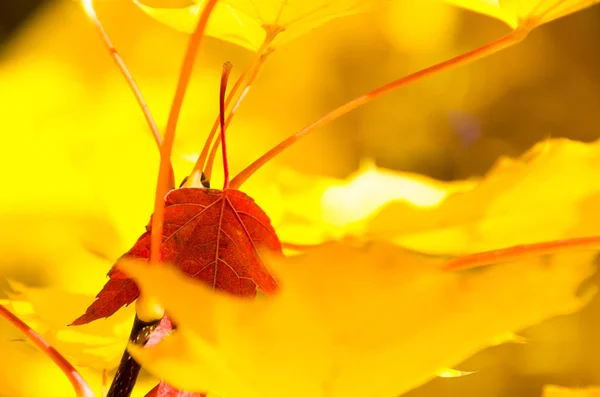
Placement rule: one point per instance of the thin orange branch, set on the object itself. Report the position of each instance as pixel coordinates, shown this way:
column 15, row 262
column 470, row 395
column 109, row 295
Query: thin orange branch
column 506, row 41
column 520, row 251
column 89, row 9
column 166, row 149
column 82, row 389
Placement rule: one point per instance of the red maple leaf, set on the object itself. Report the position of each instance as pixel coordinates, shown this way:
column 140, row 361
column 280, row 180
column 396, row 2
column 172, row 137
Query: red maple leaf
column 212, row 235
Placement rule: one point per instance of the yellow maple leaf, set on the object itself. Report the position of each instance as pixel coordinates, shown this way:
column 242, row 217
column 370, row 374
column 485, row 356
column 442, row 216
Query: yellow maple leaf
column 520, row 201
column 349, row 321
column 92, row 348
column 96, row 345
column 311, row 209
column 349, row 205
column 246, row 23
column 557, row 391
column 524, row 13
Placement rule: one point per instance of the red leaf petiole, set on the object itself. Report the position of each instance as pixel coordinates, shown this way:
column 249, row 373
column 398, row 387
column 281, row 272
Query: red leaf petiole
column 224, row 76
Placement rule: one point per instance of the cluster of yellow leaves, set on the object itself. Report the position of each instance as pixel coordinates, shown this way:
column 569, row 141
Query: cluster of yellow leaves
column 370, row 318
column 346, row 307
column 97, row 345
column 92, row 348
column 518, row 202
column 247, row 23
column 524, row 13
column 349, row 321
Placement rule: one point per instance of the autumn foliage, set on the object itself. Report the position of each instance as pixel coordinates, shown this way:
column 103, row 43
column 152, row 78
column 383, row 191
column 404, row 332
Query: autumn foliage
column 376, row 292
column 213, row 236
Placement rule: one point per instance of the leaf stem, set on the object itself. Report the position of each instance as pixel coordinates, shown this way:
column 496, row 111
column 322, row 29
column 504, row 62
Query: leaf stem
column 213, row 152
column 506, row 41
column 199, row 166
column 128, row 370
column 90, row 11
column 252, row 67
column 224, row 77
column 166, row 149
column 520, row 251
column 82, row 389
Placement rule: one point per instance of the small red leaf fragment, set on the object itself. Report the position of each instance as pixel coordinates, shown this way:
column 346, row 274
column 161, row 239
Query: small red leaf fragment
column 163, row 329
column 164, row 390
column 212, row 235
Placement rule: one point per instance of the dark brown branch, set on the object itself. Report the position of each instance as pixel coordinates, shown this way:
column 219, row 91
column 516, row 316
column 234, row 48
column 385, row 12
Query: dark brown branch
column 127, row 373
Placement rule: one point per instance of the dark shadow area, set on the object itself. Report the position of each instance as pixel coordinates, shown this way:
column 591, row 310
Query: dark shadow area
column 13, row 13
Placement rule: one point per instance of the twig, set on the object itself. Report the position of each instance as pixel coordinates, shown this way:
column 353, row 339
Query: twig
column 127, row 373
column 82, row 389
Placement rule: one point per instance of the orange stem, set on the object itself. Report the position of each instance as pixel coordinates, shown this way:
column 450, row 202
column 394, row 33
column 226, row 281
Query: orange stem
column 519, row 251
column 213, row 152
column 82, row 389
column 126, row 74
column 506, row 41
column 167, row 147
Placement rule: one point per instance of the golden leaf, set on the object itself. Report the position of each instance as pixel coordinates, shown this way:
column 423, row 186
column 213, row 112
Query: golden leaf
column 246, row 23
column 308, row 209
column 350, row 321
column 524, row 13
column 520, row 201
column 557, row 391
column 453, row 373
column 96, row 345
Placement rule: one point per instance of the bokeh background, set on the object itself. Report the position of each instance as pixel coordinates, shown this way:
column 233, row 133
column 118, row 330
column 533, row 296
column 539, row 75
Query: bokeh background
column 78, row 165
